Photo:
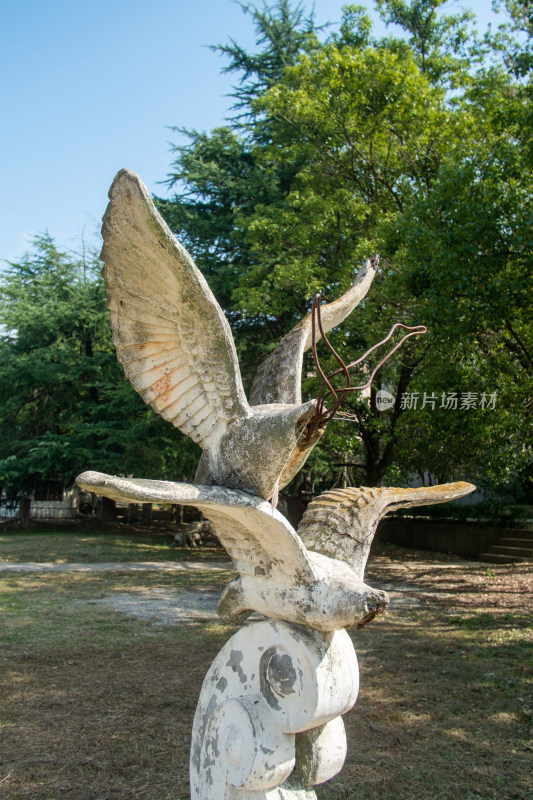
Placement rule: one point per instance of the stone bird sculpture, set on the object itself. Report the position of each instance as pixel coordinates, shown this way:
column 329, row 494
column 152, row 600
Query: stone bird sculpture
column 267, row 723
column 177, row 350
column 176, row 347
column 319, row 585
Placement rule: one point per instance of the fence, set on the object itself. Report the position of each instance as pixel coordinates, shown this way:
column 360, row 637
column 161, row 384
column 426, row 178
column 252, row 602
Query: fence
column 37, row 513
column 27, row 511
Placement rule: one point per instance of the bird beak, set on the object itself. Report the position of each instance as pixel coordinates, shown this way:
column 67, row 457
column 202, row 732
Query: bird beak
column 375, row 604
column 311, row 432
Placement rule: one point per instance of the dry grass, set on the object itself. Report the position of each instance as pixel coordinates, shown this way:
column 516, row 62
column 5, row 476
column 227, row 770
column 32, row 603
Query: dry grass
column 446, row 705
column 89, row 546
column 97, row 705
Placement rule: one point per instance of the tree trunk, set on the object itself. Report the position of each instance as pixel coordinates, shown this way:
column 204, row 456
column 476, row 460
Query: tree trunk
column 108, row 509
column 25, row 512
column 374, row 473
column 374, row 467
column 147, row 514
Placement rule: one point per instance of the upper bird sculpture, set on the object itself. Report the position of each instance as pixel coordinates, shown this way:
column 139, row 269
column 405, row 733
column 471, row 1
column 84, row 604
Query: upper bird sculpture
column 176, row 347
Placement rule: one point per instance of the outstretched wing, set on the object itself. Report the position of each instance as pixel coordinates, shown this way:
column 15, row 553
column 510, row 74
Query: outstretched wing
column 170, row 334
column 342, row 523
column 279, row 378
column 258, row 539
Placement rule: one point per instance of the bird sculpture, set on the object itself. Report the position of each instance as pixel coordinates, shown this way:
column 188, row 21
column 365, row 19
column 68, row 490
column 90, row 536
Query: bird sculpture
column 177, row 350
column 176, row 347
column 320, row 586
column 267, row 722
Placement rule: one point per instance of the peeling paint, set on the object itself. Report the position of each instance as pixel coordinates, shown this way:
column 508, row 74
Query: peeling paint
column 234, row 662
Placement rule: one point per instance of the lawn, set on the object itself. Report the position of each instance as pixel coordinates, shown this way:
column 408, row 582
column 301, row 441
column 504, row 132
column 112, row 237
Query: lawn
column 96, row 703
column 85, row 547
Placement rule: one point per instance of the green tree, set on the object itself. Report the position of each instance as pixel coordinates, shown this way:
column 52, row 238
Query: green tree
column 283, row 32
column 471, row 238
column 64, row 404
column 513, row 39
column 444, row 45
column 439, row 184
column 410, row 146
column 369, row 130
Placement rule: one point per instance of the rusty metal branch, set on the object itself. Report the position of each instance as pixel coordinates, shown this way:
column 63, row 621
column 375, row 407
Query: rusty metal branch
column 323, row 414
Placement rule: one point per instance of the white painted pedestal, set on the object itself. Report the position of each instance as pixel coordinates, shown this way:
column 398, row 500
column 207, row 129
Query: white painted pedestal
column 268, row 725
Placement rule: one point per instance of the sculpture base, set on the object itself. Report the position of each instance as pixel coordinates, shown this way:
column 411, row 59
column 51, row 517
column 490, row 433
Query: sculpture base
column 268, row 725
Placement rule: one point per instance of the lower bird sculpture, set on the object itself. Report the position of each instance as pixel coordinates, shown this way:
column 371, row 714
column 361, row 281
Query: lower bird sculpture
column 177, row 350
column 319, row 585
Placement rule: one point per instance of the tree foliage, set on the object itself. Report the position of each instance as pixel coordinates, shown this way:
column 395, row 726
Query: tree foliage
column 283, row 31
column 64, row 403
column 415, row 146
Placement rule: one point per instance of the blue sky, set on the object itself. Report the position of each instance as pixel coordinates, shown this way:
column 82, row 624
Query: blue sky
column 90, row 87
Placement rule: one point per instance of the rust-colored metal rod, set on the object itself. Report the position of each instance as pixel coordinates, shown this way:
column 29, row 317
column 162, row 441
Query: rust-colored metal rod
column 420, row 329
column 415, row 330
column 323, row 415
column 315, row 316
column 343, row 367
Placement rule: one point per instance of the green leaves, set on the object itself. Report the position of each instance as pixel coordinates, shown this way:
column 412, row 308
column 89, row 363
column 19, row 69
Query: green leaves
column 64, row 403
column 443, row 45
column 417, row 146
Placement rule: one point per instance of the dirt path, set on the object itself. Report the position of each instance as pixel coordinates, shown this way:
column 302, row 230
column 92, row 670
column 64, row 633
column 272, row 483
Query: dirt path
column 199, row 566
column 118, row 566
column 170, row 605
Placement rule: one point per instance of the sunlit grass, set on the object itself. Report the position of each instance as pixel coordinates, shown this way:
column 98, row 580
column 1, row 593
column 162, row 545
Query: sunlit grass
column 62, row 547
column 95, row 702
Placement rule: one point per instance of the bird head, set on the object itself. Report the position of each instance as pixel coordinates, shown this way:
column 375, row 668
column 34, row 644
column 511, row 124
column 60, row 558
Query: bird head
column 340, row 598
column 262, row 451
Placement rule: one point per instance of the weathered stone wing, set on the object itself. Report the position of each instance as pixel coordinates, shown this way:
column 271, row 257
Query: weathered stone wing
column 170, row 334
column 279, row 378
column 258, row 539
column 341, row 523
